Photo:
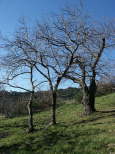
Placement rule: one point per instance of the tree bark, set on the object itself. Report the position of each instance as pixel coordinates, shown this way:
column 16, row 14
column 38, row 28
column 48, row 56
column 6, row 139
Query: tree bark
column 85, row 101
column 88, row 101
column 30, row 115
column 88, row 92
column 92, row 90
column 54, row 99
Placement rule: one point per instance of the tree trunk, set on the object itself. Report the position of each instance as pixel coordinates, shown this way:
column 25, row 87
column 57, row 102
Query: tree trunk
column 54, row 99
column 92, row 91
column 30, row 115
column 92, row 98
column 88, row 101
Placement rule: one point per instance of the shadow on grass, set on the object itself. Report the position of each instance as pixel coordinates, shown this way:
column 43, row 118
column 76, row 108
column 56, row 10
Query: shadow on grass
column 109, row 111
column 93, row 119
column 63, row 137
column 55, row 138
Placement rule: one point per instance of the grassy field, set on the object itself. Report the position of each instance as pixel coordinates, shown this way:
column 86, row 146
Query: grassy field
column 73, row 134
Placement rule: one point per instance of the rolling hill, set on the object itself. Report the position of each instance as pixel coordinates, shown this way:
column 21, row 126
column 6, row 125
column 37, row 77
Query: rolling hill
column 74, row 133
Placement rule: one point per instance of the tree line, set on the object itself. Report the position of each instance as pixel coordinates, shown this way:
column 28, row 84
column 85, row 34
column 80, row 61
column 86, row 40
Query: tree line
column 68, row 46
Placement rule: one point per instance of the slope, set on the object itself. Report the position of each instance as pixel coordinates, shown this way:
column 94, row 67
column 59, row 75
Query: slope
column 74, row 133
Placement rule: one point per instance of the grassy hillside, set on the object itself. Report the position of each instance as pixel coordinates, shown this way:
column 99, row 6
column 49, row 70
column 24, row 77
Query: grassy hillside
column 74, row 133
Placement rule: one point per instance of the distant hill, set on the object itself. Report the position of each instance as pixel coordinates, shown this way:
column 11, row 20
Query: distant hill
column 15, row 103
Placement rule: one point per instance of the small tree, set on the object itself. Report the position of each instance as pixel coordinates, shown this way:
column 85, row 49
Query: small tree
column 18, row 62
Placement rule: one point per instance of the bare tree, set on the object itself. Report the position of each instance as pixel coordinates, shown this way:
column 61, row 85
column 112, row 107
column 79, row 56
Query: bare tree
column 30, row 98
column 92, row 63
column 18, row 62
column 74, row 31
column 68, row 32
column 62, row 40
column 51, row 57
column 50, row 66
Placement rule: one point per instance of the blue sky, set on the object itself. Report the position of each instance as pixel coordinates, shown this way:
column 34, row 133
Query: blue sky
column 12, row 10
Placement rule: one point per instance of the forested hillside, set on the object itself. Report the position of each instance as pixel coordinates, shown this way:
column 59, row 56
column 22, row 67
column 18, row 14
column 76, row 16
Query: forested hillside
column 14, row 104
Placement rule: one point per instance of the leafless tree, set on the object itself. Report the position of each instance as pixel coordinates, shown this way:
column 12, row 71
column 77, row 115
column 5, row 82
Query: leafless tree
column 48, row 59
column 68, row 32
column 51, row 57
column 50, row 66
column 92, row 63
column 18, row 62
column 73, row 31
column 62, row 40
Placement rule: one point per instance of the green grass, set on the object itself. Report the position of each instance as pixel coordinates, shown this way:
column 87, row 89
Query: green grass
column 73, row 134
